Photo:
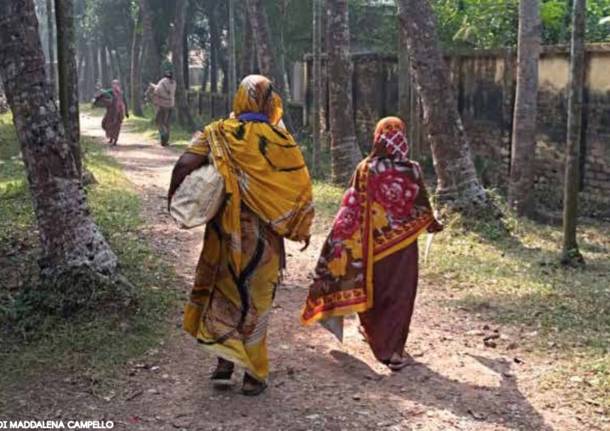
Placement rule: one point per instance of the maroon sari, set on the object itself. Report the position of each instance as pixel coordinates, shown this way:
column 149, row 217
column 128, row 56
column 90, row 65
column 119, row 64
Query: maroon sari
column 369, row 262
column 115, row 114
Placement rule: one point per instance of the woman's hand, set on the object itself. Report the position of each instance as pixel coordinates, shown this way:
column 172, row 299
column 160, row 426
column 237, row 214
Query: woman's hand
column 186, row 164
column 435, row 227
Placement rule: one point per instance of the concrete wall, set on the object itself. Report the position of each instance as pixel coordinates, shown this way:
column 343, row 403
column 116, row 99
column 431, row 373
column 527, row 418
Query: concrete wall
column 485, row 84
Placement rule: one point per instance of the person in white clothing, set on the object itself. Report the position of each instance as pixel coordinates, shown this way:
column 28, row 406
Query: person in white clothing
column 163, row 97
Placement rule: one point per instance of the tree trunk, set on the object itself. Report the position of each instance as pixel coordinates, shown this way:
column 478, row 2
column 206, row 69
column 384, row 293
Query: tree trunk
column 457, row 184
column 317, row 85
column 249, row 61
column 185, row 60
column 95, row 63
column 406, row 95
column 262, row 39
column 214, row 47
column 81, row 72
column 51, row 46
column 523, row 147
column 68, row 76
column 184, row 114
column 232, row 78
column 151, row 60
column 88, row 82
column 344, row 151
column 136, row 70
column 73, row 249
column 282, row 44
column 105, row 76
column 570, row 252
column 205, row 76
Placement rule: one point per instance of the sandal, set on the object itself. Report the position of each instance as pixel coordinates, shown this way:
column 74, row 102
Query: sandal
column 397, row 363
column 223, row 372
column 252, row 387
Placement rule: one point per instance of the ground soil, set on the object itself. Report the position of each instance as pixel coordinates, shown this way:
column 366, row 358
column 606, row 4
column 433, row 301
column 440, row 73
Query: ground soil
column 316, row 383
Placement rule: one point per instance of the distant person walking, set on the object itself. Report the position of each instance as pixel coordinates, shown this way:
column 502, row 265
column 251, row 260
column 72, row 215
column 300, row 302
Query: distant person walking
column 164, row 95
column 114, row 101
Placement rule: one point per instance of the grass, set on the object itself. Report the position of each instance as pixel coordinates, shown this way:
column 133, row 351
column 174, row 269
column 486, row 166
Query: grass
column 516, row 279
column 179, row 136
column 80, row 346
column 511, row 274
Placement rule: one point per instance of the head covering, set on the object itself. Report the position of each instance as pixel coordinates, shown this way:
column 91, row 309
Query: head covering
column 255, row 95
column 384, row 210
column 390, row 140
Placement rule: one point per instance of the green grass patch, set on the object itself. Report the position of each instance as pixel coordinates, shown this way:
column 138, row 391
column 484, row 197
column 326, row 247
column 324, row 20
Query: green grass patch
column 91, row 345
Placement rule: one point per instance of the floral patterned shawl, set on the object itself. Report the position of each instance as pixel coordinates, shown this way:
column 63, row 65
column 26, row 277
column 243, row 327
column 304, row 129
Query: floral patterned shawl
column 384, row 210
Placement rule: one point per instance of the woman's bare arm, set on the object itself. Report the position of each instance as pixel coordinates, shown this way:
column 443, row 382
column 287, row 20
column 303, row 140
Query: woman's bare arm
column 186, row 164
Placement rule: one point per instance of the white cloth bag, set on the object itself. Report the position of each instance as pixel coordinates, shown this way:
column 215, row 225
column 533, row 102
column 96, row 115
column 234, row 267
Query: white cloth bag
column 198, row 198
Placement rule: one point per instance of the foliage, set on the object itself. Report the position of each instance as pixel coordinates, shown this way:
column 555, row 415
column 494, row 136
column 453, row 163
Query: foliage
column 494, row 23
column 31, row 343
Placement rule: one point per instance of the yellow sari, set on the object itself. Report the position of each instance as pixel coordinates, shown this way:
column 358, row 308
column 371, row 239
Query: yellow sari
column 268, row 198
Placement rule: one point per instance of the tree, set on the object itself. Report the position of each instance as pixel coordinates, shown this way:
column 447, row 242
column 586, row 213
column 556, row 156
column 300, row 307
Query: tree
column 51, row 44
column 75, row 254
column 215, row 43
column 232, row 57
column 570, row 252
column 457, row 184
column 184, row 114
column 524, row 117
column 317, row 83
column 68, row 76
column 104, row 69
column 136, row 69
column 151, row 59
column 262, row 38
column 344, row 151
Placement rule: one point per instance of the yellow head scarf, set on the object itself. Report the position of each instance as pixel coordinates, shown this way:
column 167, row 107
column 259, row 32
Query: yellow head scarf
column 262, row 166
column 255, row 94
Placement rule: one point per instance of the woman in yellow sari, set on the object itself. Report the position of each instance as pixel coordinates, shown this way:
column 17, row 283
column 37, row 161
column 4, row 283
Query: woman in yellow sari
column 268, row 198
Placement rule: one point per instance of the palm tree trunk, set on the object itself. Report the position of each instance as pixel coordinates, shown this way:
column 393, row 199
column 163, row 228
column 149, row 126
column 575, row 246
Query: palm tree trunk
column 262, row 38
column 51, row 45
column 68, row 76
column 151, row 60
column 214, row 47
column 344, row 151
column 232, row 78
column 523, row 146
column 136, row 69
column 570, row 252
column 317, row 84
column 104, row 65
column 74, row 252
column 184, row 114
column 457, row 184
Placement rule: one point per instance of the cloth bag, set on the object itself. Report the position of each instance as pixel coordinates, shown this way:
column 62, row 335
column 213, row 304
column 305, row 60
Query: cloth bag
column 198, row 198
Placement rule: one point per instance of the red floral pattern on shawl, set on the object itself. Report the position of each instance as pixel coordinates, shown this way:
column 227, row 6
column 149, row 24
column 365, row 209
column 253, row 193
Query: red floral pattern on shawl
column 385, row 209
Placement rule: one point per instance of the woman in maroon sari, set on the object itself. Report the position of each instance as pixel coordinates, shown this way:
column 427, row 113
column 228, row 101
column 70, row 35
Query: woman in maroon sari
column 369, row 262
column 116, row 111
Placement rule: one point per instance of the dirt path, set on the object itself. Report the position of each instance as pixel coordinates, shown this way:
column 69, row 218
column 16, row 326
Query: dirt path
column 317, row 383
